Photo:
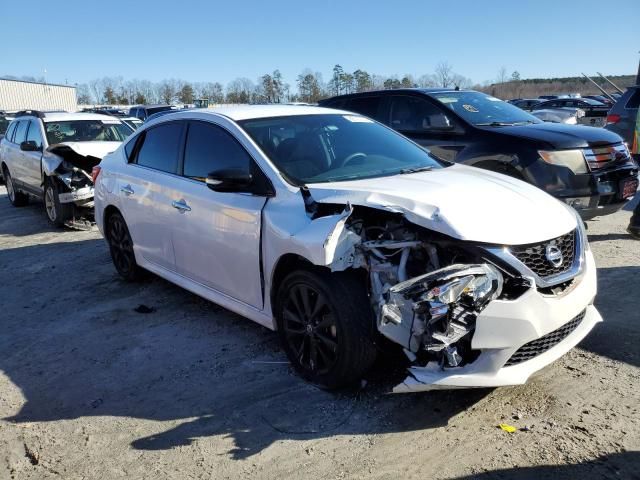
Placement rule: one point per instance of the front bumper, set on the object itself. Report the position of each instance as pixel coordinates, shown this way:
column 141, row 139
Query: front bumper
column 506, row 325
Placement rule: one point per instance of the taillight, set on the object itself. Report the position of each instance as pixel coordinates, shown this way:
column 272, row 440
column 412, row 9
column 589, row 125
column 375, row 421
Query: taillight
column 94, row 173
column 611, row 119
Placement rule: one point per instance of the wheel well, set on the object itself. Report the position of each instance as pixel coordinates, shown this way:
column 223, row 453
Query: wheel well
column 286, row 264
column 110, row 210
column 500, row 167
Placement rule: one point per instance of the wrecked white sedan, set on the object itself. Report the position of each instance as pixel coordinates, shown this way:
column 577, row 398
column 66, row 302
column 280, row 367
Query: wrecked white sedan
column 50, row 155
column 347, row 238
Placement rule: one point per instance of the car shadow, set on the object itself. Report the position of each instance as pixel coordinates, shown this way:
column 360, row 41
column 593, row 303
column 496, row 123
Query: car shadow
column 23, row 221
column 76, row 344
column 618, row 301
column 616, row 465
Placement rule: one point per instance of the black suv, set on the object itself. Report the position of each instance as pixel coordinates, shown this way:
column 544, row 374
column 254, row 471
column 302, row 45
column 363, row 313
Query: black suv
column 145, row 111
column 588, row 168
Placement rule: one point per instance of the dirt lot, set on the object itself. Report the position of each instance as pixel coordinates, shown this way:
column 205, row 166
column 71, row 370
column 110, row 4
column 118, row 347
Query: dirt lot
column 90, row 388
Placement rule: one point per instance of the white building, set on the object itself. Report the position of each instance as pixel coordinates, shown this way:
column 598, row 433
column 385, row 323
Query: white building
column 22, row 95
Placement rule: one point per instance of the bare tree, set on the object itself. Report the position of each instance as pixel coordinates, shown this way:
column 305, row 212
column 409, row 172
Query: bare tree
column 443, row 74
column 503, row 76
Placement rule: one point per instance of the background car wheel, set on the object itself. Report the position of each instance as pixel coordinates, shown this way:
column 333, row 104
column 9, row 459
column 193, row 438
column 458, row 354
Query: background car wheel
column 16, row 197
column 326, row 326
column 57, row 213
column 121, row 248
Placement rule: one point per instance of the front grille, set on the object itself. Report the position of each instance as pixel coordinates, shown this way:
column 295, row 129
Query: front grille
column 542, row 344
column 534, row 255
column 603, row 157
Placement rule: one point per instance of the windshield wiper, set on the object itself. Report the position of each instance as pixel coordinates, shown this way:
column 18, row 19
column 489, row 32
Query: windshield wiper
column 495, row 124
column 425, row 168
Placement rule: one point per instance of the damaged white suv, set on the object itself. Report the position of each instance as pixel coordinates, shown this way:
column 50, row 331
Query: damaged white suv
column 50, row 155
column 338, row 232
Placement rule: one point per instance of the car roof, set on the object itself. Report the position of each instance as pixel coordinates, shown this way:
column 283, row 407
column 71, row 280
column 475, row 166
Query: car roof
column 61, row 117
column 152, row 106
column 246, row 112
column 391, row 91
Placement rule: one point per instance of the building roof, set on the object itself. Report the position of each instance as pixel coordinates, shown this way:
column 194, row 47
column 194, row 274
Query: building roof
column 36, row 83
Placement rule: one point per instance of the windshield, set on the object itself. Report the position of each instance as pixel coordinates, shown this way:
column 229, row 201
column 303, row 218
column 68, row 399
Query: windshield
column 86, row 131
column 481, row 109
column 333, row 148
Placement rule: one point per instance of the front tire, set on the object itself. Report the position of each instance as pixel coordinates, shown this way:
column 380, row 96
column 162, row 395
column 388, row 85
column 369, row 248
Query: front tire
column 16, row 197
column 326, row 326
column 121, row 248
column 57, row 213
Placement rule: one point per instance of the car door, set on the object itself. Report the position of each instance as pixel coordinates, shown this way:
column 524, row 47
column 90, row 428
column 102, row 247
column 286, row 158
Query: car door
column 216, row 235
column 32, row 161
column 145, row 187
column 15, row 156
column 426, row 124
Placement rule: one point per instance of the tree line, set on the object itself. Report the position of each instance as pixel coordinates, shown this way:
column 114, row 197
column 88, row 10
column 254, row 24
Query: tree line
column 310, row 87
column 268, row 88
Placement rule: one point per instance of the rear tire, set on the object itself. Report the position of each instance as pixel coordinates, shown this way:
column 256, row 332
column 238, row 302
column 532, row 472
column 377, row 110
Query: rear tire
column 57, row 213
column 326, row 326
column 16, row 197
column 121, row 248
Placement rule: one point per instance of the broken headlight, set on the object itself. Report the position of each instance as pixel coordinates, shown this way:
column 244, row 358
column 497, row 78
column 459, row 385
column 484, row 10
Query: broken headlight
column 436, row 310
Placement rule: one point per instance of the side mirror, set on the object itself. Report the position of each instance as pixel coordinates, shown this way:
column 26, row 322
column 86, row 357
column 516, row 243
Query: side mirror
column 230, row 180
column 29, row 146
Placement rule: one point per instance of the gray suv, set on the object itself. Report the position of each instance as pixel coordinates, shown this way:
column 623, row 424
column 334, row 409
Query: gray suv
column 622, row 116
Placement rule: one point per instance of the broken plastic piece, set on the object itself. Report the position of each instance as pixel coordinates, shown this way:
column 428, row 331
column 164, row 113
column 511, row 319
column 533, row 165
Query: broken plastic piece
column 507, row 428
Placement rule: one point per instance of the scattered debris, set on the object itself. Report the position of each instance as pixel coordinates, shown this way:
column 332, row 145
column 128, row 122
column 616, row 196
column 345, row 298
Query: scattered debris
column 32, row 455
column 144, row 309
column 507, row 428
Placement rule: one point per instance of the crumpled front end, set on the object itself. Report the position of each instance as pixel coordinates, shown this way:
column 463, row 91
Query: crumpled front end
column 466, row 314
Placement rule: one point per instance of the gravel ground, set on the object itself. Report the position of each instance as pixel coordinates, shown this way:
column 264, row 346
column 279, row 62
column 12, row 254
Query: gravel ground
column 92, row 389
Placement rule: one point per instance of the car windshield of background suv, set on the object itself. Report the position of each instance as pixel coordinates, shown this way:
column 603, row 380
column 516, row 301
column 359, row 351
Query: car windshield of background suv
column 333, row 148
column 481, row 109
column 86, row 131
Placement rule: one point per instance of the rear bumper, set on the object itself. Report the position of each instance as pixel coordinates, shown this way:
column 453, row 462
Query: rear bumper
column 505, row 326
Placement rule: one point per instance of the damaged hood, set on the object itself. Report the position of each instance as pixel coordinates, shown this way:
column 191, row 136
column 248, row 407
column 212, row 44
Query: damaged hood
column 93, row 149
column 463, row 202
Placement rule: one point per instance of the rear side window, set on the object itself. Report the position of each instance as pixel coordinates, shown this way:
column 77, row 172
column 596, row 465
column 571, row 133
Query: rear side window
column 161, row 147
column 634, row 101
column 21, row 131
column 367, row 106
column 10, row 130
column 210, row 148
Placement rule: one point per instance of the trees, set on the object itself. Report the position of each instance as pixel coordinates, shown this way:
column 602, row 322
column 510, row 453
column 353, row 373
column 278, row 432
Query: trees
column 443, row 74
column 166, row 91
column 185, row 94
column 515, row 76
column 309, row 87
column 240, row 90
column 109, row 95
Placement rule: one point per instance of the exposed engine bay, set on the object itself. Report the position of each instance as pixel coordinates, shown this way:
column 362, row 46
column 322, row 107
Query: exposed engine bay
column 426, row 290
column 72, row 173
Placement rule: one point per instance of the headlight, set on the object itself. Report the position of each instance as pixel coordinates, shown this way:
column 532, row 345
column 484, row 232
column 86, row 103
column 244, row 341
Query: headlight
column 572, row 159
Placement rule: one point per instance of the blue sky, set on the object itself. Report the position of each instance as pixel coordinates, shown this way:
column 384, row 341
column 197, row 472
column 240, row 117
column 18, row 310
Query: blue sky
column 76, row 41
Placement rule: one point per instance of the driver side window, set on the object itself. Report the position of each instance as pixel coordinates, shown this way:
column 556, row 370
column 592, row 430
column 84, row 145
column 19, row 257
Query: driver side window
column 211, row 148
column 415, row 114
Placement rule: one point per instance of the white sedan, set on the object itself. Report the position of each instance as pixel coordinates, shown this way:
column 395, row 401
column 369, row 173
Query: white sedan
column 337, row 231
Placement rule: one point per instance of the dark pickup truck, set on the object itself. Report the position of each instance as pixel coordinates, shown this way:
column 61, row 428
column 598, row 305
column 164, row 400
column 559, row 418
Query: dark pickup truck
column 588, row 168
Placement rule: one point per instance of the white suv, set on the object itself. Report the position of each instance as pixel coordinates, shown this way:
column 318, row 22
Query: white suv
column 337, row 231
column 51, row 156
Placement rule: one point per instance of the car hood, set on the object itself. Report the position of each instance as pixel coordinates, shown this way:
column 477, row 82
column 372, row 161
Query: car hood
column 561, row 136
column 94, row 149
column 463, row 202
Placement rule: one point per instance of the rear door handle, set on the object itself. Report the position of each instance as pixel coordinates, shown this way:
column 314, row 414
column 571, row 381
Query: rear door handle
column 181, row 205
column 127, row 190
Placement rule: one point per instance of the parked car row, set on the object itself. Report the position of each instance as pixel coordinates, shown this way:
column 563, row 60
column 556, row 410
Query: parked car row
column 590, row 169
column 352, row 228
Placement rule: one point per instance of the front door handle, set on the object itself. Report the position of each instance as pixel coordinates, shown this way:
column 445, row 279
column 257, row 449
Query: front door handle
column 127, row 190
column 181, row 205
